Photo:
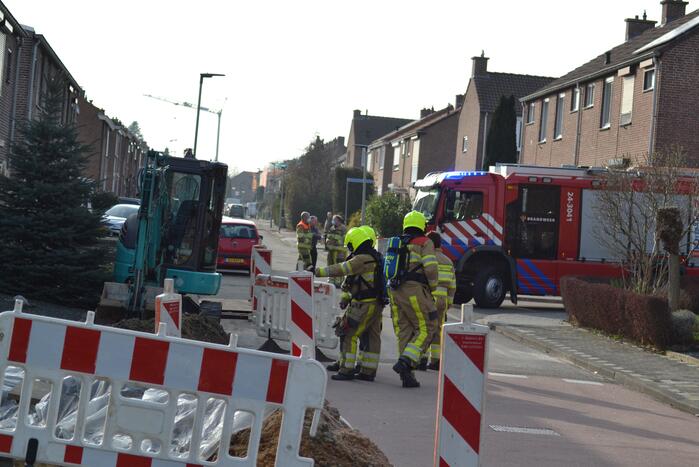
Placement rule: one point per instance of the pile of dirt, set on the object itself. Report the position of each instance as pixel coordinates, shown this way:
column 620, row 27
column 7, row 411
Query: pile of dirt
column 195, row 327
column 335, row 444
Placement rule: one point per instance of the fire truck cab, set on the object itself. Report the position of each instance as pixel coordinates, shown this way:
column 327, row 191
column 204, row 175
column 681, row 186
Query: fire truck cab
column 516, row 229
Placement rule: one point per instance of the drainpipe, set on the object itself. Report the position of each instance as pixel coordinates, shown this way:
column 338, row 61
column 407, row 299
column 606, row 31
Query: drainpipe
column 31, row 81
column 576, row 157
column 485, row 136
column 654, row 115
column 13, row 115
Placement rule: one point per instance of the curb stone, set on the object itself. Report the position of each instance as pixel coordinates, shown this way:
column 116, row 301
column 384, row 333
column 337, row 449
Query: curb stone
column 682, row 357
column 649, row 388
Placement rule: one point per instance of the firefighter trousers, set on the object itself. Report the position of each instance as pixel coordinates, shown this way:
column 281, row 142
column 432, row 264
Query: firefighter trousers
column 305, row 257
column 414, row 319
column 435, row 347
column 361, row 317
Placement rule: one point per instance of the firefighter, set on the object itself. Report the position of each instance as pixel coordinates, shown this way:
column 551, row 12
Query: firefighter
column 412, row 302
column 304, row 239
column 444, row 298
column 335, row 245
column 363, row 303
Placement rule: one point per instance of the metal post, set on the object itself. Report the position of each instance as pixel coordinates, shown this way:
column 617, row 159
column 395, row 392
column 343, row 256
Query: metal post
column 196, row 127
column 364, row 164
column 281, row 203
column 218, row 132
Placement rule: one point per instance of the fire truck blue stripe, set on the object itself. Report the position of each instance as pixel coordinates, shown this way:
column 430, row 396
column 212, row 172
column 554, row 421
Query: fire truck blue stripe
column 531, row 279
column 523, row 287
column 540, row 275
column 454, row 252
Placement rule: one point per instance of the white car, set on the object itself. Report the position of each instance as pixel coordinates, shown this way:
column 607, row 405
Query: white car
column 115, row 216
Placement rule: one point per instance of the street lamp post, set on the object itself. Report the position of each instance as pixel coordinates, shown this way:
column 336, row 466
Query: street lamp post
column 218, row 132
column 196, row 128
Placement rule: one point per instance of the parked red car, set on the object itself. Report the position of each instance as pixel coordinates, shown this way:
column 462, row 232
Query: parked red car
column 236, row 239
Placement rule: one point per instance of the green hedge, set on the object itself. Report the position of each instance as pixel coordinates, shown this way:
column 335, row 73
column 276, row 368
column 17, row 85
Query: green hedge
column 594, row 304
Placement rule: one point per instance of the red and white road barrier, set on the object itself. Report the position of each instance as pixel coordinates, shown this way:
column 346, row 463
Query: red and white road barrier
column 460, row 403
column 49, row 350
column 260, row 263
column 272, row 317
column 168, row 310
column 301, row 328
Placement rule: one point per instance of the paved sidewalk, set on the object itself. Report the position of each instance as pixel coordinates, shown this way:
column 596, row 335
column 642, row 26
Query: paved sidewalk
column 665, row 379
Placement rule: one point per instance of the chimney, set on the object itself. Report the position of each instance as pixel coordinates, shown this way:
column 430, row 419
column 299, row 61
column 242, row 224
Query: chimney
column 425, row 112
column 357, row 113
column 673, row 9
column 459, row 100
column 480, row 65
column 635, row 26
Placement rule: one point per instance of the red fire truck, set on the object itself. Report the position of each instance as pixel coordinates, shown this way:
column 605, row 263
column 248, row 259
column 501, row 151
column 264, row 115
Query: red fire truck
column 519, row 229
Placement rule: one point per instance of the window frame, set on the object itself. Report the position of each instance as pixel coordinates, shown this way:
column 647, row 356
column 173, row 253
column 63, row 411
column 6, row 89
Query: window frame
column 464, row 144
column 627, row 118
column 650, row 71
column 589, row 100
column 543, row 119
column 451, row 216
column 382, row 157
column 531, row 113
column 575, row 99
column 606, row 107
column 558, row 117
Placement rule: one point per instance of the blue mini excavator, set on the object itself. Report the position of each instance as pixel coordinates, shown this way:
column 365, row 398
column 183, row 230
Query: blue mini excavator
column 174, row 235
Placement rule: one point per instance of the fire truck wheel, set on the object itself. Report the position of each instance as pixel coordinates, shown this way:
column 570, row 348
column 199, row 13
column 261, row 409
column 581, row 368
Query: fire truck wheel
column 489, row 287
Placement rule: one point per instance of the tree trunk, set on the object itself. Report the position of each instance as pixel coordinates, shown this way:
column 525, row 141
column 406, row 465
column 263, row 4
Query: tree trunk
column 673, row 283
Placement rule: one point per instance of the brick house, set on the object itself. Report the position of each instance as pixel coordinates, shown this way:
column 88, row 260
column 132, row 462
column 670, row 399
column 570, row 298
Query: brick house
column 399, row 158
column 633, row 100
column 12, row 37
column 365, row 129
column 485, row 88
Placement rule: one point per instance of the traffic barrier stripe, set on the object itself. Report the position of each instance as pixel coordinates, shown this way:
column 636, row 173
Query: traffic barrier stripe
column 301, row 329
column 260, row 263
column 462, row 381
column 49, row 350
column 272, row 316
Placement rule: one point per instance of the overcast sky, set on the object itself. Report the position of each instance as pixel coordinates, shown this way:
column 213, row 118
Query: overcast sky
column 295, row 69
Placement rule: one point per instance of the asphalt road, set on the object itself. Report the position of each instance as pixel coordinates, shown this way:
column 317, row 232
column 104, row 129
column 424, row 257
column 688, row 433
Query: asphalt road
column 579, row 418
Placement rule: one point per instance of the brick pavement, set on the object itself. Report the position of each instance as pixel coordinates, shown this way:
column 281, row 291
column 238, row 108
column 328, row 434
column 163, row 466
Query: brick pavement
column 668, row 380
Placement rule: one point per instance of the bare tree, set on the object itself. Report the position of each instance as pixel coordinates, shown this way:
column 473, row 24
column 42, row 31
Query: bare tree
column 627, row 208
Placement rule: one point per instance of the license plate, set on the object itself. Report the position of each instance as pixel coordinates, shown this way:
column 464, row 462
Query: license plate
column 235, row 260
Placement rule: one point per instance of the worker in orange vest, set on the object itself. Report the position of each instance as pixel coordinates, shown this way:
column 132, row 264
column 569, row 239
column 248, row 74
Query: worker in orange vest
column 304, row 239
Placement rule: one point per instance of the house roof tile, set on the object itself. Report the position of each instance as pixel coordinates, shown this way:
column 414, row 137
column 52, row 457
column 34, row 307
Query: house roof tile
column 629, row 52
column 491, row 86
column 368, row 128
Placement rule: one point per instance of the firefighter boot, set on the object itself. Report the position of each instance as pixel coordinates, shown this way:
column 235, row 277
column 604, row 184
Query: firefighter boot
column 409, row 380
column 433, row 365
column 340, row 376
column 335, row 366
column 403, row 365
column 357, row 369
column 422, row 366
column 365, row 377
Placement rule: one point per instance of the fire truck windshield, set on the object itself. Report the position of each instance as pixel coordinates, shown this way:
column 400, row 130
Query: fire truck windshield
column 426, row 202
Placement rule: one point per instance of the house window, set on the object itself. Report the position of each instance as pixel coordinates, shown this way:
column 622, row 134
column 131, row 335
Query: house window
column 415, row 161
column 382, row 157
column 518, row 135
column 530, row 112
column 648, row 80
column 627, row 100
column 370, row 161
column 589, row 95
column 606, row 117
column 398, row 152
column 575, row 100
column 543, row 120
column 464, row 144
column 558, row 124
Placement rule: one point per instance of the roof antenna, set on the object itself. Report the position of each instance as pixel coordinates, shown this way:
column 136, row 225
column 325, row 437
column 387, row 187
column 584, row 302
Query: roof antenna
column 645, row 16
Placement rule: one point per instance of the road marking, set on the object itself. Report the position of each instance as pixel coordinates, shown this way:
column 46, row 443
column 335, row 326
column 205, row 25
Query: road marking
column 507, row 375
column 529, row 431
column 580, row 381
